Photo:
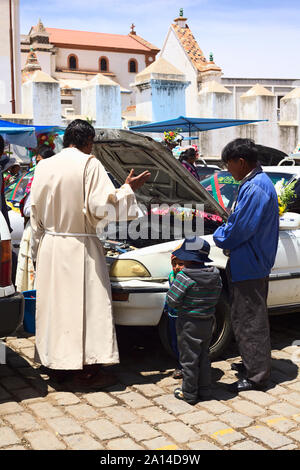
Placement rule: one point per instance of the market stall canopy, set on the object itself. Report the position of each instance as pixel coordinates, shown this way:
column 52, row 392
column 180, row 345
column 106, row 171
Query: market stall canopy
column 186, row 124
column 24, row 135
column 18, row 134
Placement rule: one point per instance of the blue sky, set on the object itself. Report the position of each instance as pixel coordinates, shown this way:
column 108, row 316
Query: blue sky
column 254, row 38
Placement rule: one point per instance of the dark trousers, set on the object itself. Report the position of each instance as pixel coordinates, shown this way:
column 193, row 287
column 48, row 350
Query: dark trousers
column 250, row 325
column 173, row 334
column 194, row 337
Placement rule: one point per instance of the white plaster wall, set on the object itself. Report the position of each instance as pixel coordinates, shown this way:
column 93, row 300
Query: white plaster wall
column 42, row 101
column 108, row 102
column 168, row 100
column 44, row 59
column 102, row 104
column 215, row 105
column 5, row 77
column 289, row 137
column 126, row 100
column 264, row 133
column 172, row 51
column 27, row 101
column 88, row 102
column 290, row 110
column 89, row 60
column 258, row 107
column 46, row 104
column 144, row 103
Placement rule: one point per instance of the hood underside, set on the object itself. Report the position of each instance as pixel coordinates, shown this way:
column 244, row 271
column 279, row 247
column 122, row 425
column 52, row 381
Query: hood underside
column 170, row 183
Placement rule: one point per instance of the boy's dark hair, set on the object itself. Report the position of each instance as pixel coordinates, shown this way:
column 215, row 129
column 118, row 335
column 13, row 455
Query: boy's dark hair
column 240, row 148
column 45, row 151
column 186, row 154
column 1, row 145
column 78, row 133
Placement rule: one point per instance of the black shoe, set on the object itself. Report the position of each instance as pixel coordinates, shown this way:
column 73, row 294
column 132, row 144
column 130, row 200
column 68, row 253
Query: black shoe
column 177, row 374
column 244, row 385
column 238, row 367
column 178, row 393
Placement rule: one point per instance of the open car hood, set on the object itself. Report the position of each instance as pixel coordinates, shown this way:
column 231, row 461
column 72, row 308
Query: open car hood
column 170, row 183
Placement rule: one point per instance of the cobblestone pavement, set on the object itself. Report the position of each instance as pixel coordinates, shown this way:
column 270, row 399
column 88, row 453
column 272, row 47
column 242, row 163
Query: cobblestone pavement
column 141, row 412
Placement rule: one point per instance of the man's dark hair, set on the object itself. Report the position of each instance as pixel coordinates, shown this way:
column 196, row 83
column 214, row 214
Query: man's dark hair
column 188, row 153
column 1, row 145
column 78, row 133
column 45, row 151
column 240, row 148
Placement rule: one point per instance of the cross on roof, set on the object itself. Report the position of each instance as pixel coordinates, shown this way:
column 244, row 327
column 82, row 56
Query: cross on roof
column 132, row 29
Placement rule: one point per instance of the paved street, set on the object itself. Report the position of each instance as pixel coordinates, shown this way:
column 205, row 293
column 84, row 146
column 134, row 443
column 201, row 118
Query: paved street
column 141, row 412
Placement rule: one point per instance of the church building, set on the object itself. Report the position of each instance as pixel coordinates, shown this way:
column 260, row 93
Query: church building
column 75, row 57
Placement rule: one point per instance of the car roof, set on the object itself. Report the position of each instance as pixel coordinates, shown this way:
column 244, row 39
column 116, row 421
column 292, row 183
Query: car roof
column 293, row 170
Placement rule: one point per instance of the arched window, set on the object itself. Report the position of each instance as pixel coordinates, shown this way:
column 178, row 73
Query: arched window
column 132, row 66
column 73, row 62
column 103, row 63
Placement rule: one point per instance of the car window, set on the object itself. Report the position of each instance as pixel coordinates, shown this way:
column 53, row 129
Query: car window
column 14, row 193
column 275, row 177
column 224, row 188
column 205, row 171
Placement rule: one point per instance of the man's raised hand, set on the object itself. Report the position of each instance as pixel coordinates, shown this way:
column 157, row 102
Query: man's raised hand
column 137, row 182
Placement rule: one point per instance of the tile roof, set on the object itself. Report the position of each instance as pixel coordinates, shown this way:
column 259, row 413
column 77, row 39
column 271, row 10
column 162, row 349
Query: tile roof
column 144, row 42
column 97, row 40
column 193, row 50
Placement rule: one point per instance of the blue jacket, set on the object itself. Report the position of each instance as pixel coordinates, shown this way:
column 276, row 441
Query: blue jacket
column 252, row 230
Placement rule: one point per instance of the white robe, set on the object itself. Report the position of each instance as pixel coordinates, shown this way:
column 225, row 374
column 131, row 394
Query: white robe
column 74, row 322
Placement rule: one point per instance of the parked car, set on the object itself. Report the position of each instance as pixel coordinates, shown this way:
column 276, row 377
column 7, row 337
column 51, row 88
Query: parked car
column 224, row 188
column 139, row 276
column 11, row 302
column 139, row 267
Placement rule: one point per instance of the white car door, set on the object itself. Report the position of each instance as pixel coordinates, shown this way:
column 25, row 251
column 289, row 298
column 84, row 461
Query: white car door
column 284, row 286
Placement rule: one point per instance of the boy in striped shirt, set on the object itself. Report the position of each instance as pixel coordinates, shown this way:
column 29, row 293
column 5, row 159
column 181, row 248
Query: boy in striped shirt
column 194, row 294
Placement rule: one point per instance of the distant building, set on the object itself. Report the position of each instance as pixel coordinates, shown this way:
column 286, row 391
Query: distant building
column 213, row 95
column 121, row 80
column 74, row 57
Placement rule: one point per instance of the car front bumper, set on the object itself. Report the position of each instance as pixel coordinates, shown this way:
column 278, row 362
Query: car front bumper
column 11, row 313
column 138, row 303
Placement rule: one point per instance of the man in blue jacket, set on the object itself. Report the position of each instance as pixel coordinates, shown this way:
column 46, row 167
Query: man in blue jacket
column 250, row 238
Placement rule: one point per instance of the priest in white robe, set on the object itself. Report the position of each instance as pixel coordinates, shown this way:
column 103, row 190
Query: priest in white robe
column 74, row 323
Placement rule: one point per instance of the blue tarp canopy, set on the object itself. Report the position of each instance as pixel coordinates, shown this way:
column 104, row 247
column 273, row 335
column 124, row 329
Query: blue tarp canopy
column 23, row 135
column 186, row 124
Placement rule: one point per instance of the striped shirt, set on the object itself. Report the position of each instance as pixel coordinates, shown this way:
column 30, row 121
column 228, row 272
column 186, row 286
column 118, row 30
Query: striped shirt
column 195, row 292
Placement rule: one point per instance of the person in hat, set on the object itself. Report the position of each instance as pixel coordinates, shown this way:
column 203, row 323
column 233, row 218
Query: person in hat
column 11, row 171
column 194, row 294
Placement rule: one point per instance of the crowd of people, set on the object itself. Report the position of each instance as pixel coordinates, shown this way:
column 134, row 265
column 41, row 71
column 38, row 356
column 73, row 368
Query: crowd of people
column 62, row 257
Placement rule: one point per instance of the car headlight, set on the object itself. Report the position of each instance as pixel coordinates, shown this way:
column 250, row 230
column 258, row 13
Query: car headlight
column 128, row 268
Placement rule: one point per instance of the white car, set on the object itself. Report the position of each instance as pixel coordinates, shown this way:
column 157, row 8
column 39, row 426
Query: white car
column 139, row 277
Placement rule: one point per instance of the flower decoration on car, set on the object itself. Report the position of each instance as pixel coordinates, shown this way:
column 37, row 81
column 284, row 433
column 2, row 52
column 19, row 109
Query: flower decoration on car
column 285, row 194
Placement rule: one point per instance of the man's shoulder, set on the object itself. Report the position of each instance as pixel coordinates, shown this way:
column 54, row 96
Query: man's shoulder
column 260, row 183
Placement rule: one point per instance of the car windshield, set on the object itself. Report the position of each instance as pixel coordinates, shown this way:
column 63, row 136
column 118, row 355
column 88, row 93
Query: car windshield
column 224, row 188
column 15, row 192
column 205, row 171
